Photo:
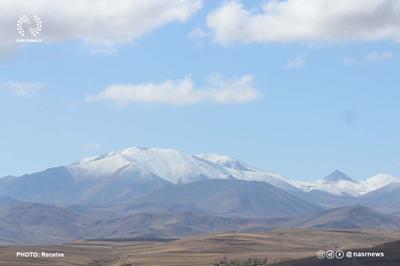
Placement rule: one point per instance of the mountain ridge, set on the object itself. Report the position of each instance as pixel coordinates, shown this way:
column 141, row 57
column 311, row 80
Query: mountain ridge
column 152, row 168
column 350, row 217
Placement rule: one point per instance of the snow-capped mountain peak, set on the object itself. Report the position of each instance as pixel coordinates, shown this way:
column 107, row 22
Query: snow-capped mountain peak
column 171, row 165
column 177, row 167
column 337, row 183
column 340, row 184
column 336, row 176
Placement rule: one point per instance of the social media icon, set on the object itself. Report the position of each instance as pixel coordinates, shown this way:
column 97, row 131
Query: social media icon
column 349, row 254
column 320, row 254
column 339, row 254
column 330, row 254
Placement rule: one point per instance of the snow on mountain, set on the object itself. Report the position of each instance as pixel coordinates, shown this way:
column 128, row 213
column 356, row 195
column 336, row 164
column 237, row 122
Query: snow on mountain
column 243, row 171
column 337, row 182
column 342, row 187
column 380, row 181
column 177, row 167
column 171, row 165
column 227, row 161
column 340, row 184
column 99, row 166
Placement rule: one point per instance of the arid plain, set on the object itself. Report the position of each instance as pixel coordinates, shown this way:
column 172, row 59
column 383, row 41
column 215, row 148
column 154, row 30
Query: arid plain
column 276, row 246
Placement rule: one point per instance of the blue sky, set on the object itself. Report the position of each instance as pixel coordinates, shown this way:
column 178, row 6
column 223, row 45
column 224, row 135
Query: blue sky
column 320, row 104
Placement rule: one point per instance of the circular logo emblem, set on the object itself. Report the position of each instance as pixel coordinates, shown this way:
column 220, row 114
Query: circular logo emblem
column 330, row 254
column 339, row 254
column 320, row 254
column 34, row 26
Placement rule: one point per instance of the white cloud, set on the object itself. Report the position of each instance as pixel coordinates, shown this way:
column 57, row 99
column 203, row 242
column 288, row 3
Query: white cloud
column 91, row 146
column 22, row 88
column 379, row 56
column 306, row 20
column 102, row 25
column 371, row 57
column 181, row 92
column 296, row 62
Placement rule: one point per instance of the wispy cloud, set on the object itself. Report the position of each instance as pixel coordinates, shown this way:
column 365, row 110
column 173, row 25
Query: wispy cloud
column 181, row 92
column 296, row 62
column 306, row 20
column 22, row 88
column 374, row 56
column 198, row 35
column 379, row 56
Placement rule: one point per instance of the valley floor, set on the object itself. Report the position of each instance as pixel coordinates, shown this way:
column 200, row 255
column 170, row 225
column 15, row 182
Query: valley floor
column 277, row 246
